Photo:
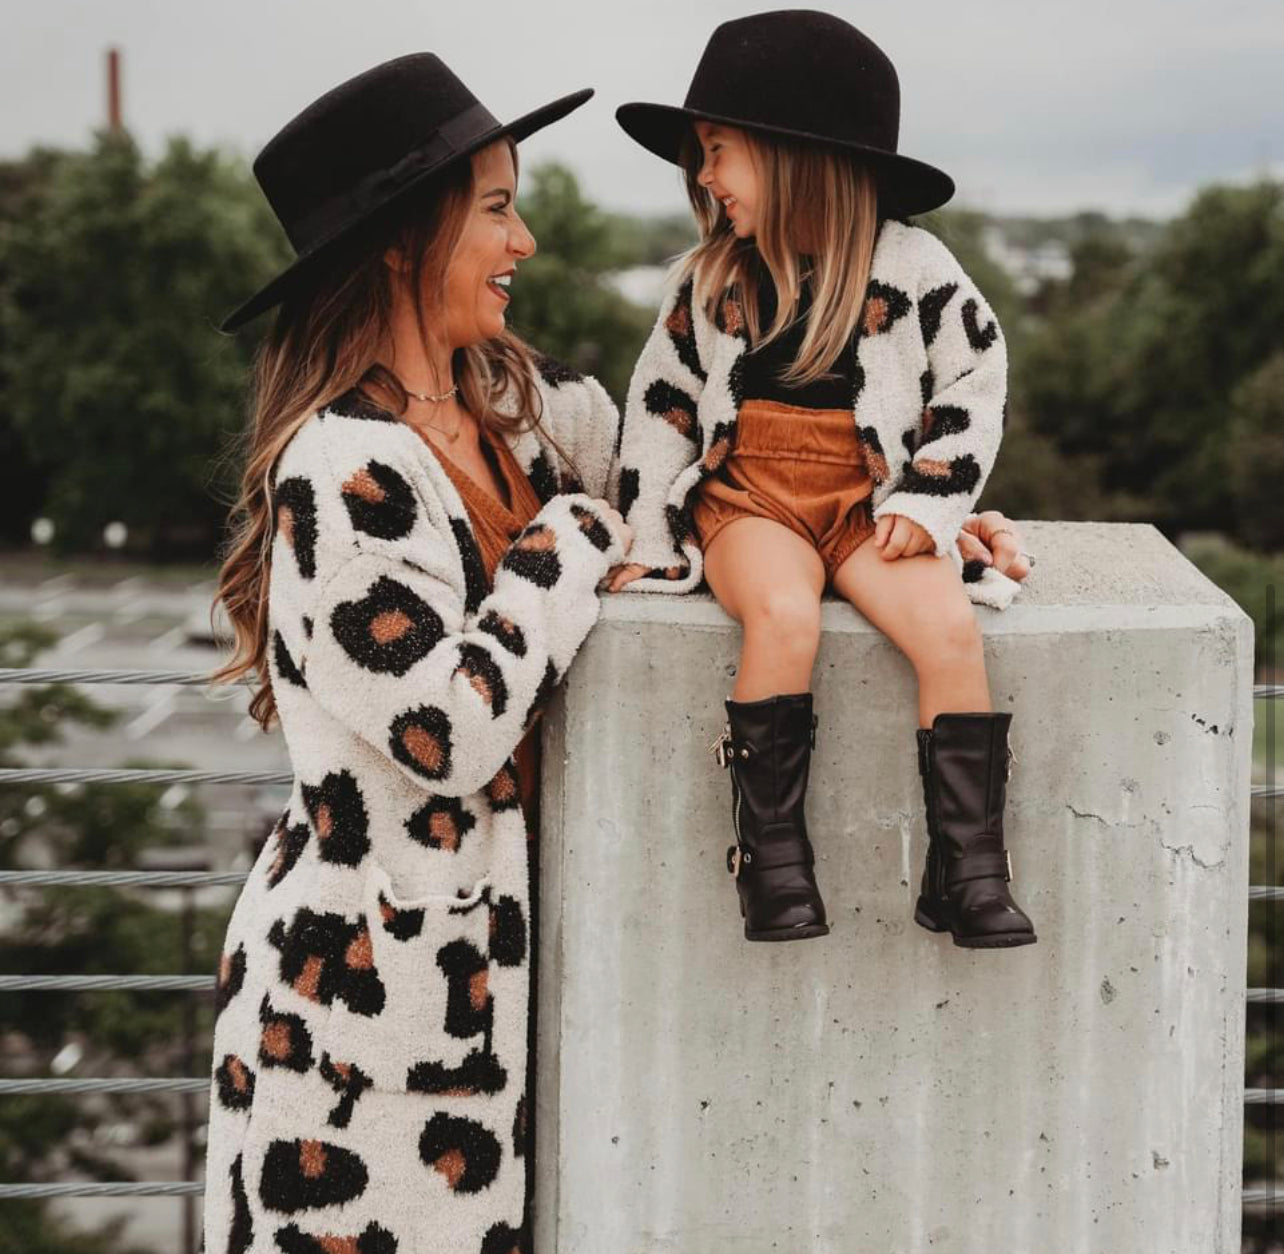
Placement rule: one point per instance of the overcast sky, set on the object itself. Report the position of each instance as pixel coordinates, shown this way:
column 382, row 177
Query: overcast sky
column 1040, row 106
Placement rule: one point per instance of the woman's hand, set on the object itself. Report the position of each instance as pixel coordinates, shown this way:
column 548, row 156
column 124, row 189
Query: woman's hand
column 898, row 536
column 995, row 540
column 615, row 522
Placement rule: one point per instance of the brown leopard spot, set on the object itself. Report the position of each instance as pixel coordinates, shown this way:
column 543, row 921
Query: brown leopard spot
column 339, row 1245
column 312, row 1159
column 477, row 989
column 360, row 952
column 452, row 1164
column 387, row 912
column 309, row 978
column 285, row 524
column 928, row 419
column 342, row 1069
column 877, row 466
column 680, row 421
column 236, row 1070
column 224, row 970
column 716, row 455
column 875, row 315
column 445, row 832
column 934, row 469
column 424, row 747
column 276, row 1040
column 363, row 484
column 539, row 540
column 480, row 687
column 389, row 626
column 325, row 821
column 679, row 321
column 732, row 318
column 502, row 787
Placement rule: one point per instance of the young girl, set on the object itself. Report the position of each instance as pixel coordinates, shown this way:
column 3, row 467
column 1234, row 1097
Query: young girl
column 819, row 405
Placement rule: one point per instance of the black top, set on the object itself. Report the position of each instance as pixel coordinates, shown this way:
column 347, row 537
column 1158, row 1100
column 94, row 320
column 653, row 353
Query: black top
column 763, row 366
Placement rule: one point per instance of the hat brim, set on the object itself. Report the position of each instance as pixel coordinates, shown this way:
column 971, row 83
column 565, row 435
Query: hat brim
column 307, row 264
column 906, row 186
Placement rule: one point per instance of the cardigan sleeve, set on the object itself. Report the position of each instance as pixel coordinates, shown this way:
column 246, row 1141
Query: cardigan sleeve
column 442, row 691
column 661, row 434
column 583, row 419
column 964, row 401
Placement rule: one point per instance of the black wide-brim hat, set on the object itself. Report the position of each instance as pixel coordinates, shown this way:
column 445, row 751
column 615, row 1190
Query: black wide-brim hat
column 799, row 74
column 363, row 146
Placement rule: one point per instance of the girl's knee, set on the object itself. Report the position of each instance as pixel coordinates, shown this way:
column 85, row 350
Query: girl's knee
column 948, row 636
column 785, row 616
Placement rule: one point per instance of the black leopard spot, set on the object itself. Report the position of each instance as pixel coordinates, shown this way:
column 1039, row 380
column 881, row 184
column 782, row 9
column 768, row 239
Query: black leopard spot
column 681, row 328
column 930, row 307
column 284, row 1040
column 480, row 1072
column 504, row 792
column 543, row 478
column 533, row 556
column 942, row 420
column 520, row 1128
column 502, row 1239
column 507, row 932
column 555, row 372
column 468, row 1000
column 875, row 458
column 324, row 957
column 979, row 337
column 290, row 840
column 941, row 478
column 591, row 525
column 296, row 521
column 285, row 667
column 305, row 1174
column 476, row 581
column 927, row 385
column 235, row 1082
column 629, row 488
column 307, row 627
column 973, row 570
column 484, row 676
column 349, row 1081
column 463, row 1152
column 338, row 813
column 547, row 686
column 231, row 978
column 402, row 924
column 373, row 1240
column 675, row 407
column 885, row 306
column 380, row 502
column 240, row 1234
column 420, row 739
column 389, row 629
column 507, row 632
column 441, row 824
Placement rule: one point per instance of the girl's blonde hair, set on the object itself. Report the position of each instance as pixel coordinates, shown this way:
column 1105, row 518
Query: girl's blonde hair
column 817, row 221
column 323, row 343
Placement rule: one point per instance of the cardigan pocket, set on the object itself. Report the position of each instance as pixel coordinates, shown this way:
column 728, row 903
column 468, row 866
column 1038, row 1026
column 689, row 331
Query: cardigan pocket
column 432, row 1033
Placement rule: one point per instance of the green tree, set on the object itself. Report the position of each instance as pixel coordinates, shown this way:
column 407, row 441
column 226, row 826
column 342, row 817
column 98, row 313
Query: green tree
column 562, row 301
column 116, row 379
column 1255, row 457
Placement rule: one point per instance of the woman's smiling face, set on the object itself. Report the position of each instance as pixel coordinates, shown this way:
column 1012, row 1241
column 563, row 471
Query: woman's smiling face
column 493, row 240
column 729, row 174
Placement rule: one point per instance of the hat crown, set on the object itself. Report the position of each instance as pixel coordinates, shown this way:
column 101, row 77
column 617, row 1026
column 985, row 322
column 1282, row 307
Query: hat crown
column 365, row 125
column 800, row 70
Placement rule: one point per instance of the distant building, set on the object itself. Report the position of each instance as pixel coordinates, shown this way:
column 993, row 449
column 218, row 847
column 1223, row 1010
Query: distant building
column 1028, row 267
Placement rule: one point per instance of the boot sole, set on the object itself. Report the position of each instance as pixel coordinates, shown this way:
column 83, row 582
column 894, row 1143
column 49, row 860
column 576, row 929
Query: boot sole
column 789, row 933
column 997, row 940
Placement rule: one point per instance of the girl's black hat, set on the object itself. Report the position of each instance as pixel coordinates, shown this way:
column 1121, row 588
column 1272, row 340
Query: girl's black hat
column 364, row 145
column 803, row 75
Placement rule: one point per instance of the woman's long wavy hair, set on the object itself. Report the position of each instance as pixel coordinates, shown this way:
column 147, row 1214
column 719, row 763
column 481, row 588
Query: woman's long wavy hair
column 817, row 222
column 326, row 341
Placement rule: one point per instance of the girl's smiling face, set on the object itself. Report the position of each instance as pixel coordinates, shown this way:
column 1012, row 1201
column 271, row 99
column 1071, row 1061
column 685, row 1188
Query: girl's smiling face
column 494, row 239
column 729, row 174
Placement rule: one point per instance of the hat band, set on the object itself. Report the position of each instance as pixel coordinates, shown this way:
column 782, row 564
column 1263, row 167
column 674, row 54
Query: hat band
column 376, row 188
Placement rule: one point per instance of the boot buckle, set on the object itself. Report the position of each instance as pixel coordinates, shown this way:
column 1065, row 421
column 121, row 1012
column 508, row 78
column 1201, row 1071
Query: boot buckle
column 1007, row 769
column 721, row 747
column 736, row 858
column 1008, row 859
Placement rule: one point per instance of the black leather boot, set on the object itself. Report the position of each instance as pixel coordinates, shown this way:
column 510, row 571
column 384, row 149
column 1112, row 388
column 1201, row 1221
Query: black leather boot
column 767, row 744
column 964, row 761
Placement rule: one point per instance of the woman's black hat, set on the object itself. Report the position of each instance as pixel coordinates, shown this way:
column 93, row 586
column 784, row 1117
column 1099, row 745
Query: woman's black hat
column 362, row 146
column 803, row 75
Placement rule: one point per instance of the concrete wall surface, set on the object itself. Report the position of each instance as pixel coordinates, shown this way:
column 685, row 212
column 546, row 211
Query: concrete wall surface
column 881, row 1090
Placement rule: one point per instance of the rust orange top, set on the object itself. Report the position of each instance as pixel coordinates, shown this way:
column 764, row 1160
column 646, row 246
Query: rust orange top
column 496, row 525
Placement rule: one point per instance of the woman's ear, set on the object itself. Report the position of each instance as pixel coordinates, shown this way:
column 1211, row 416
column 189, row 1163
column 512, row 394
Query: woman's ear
column 394, row 258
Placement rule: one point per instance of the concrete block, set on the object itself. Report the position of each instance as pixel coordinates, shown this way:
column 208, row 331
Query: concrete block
column 880, row 1089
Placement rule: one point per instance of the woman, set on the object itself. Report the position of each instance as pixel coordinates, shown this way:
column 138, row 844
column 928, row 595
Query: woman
column 423, row 495
column 413, row 493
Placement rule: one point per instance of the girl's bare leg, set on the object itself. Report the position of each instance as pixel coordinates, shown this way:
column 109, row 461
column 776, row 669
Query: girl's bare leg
column 770, row 581
column 920, row 604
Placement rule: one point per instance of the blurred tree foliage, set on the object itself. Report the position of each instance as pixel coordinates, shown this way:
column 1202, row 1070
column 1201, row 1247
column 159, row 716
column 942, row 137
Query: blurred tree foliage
column 112, row 275
column 84, row 931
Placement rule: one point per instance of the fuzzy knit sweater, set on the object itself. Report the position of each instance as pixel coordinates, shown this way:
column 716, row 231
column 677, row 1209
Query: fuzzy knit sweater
column 371, row 1042
column 930, row 405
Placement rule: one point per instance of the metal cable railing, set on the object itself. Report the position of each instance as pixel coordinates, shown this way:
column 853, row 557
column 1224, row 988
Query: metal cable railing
column 1253, row 1198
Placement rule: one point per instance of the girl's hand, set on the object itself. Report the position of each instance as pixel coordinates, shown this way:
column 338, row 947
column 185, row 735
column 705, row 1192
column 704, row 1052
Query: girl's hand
column 620, row 576
column 897, row 536
column 995, row 540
